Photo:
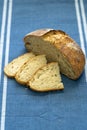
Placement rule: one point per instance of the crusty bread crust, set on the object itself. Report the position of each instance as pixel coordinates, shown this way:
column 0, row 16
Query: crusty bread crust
column 40, row 32
column 61, row 87
column 67, row 49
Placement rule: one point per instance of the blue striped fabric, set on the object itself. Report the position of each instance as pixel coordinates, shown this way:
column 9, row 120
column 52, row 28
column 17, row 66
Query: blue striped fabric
column 20, row 107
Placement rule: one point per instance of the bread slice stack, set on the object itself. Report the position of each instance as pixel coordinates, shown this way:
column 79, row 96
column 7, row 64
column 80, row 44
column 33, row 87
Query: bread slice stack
column 12, row 68
column 27, row 70
column 35, row 72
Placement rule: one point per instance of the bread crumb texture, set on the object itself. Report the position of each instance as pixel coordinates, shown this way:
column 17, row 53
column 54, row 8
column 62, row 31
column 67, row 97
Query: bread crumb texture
column 12, row 68
column 28, row 69
column 47, row 78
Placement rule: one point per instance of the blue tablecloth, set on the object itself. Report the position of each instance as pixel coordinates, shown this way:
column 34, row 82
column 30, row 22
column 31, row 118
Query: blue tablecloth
column 20, row 107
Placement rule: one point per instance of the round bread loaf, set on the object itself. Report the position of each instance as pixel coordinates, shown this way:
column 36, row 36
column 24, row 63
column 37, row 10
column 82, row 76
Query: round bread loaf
column 59, row 47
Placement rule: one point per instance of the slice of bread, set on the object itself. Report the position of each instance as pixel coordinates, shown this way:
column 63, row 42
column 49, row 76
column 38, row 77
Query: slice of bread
column 12, row 68
column 27, row 70
column 47, row 78
column 58, row 47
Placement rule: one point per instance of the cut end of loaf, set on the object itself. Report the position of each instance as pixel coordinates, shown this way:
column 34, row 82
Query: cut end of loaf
column 58, row 47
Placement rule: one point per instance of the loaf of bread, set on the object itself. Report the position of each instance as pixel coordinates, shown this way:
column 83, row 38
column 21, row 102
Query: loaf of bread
column 58, row 47
column 29, row 68
column 47, row 78
column 12, row 68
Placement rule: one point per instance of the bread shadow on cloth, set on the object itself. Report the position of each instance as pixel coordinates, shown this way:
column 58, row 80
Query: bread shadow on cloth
column 44, row 93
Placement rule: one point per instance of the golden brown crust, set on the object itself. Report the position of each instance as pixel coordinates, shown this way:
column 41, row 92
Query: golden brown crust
column 46, row 90
column 67, row 46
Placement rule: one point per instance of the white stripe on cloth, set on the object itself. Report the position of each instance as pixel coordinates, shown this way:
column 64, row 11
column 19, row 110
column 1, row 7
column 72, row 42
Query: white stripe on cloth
column 80, row 32
column 2, row 33
column 83, row 18
column 84, row 26
column 3, row 112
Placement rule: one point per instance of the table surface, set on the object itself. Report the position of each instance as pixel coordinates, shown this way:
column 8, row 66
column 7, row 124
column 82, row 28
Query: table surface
column 20, row 107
